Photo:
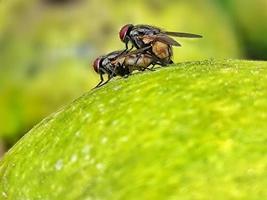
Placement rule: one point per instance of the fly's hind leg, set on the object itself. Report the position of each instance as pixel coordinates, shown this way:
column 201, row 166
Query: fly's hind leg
column 154, row 64
column 137, row 59
column 152, row 68
column 135, row 63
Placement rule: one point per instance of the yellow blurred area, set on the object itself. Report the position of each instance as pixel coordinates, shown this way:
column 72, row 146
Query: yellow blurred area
column 47, row 46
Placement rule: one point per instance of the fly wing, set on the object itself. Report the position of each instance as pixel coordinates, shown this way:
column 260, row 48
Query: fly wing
column 161, row 38
column 114, row 55
column 180, row 34
column 119, row 59
column 147, row 38
column 136, row 51
column 157, row 30
column 171, row 33
column 148, row 27
column 167, row 40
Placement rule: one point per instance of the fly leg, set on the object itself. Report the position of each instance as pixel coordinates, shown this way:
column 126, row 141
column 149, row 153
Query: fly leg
column 152, row 68
column 109, row 78
column 101, row 80
column 126, row 50
column 126, row 76
column 137, row 59
column 113, row 73
column 139, row 56
column 153, row 65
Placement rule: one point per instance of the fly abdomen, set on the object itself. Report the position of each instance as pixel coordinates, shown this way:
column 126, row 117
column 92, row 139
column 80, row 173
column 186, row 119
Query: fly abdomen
column 162, row 50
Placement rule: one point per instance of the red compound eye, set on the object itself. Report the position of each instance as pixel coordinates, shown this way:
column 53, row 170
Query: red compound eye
column 123, row 31
column 96, row 64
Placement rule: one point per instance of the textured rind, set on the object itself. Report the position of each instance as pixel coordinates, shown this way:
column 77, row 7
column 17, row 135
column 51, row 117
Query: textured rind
column 194, row 130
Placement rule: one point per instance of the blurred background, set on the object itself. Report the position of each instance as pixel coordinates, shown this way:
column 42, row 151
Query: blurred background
column 47, row 46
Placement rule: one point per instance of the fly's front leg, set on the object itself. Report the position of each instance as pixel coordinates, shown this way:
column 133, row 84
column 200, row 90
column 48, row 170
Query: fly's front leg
column 109, row 78
column 126, row 50
column 113, row 69
column 131, row 48
column 101, row 80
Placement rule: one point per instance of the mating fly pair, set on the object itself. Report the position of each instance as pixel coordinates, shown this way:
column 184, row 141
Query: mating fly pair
column 153, row 47
column 122, row 63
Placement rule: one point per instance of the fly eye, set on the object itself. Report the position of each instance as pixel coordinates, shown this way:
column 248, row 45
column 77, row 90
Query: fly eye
column 96, row 65
column 123, row 32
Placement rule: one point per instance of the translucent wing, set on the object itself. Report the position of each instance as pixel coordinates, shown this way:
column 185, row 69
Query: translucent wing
column 180, row 34
column 136, row 51
column 148, row 27
column 158, row 30
column 114, row 55
column 161, row 38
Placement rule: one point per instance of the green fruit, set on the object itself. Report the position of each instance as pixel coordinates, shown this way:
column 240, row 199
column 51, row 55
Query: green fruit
column 195, row 130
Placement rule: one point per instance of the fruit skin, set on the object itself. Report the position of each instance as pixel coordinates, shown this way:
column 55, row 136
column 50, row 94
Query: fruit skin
column 194, row 130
